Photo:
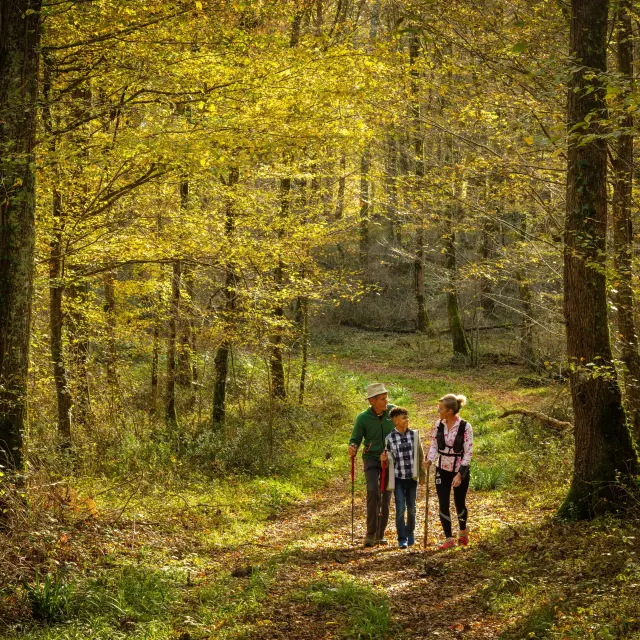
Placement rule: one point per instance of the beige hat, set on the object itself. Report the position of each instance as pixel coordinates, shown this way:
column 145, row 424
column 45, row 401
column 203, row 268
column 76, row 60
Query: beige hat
column 375, row 389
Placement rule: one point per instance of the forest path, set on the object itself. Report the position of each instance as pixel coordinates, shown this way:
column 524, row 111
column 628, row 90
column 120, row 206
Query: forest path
column 430, row 593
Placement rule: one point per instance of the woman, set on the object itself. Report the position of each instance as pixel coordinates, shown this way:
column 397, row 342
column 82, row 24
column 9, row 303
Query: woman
column 452, row 443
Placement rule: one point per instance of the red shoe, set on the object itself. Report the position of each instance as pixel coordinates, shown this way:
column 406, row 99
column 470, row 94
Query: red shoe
column 463, row 541
column 447, row 544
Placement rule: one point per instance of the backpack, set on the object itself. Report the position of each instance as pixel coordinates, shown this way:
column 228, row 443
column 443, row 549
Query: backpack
column 456, row 451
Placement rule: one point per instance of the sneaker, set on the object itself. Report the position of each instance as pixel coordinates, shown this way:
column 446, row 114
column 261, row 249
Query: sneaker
column 411, row 541
column 369, row 541
column 403, row 544
column 447, row 544
column 463, row 541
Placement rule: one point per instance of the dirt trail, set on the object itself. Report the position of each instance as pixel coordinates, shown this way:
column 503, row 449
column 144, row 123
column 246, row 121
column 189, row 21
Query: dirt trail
column 433, row 594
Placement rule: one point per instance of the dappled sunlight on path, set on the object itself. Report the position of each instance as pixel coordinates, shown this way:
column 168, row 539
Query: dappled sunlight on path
column 431, row 593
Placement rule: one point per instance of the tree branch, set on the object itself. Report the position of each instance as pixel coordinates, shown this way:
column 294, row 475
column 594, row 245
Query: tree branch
column 556, row 425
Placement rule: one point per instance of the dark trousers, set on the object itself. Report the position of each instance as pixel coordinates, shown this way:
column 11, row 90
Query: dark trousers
column 372, row 471
column 405, row 493
column 444, row 479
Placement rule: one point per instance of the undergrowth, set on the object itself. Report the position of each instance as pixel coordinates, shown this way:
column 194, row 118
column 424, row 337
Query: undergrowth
column 129, row 546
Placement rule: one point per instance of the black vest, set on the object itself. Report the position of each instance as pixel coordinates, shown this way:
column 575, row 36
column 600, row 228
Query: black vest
column 458, row 444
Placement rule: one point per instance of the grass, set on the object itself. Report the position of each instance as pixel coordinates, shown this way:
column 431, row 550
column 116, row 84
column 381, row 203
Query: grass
column 357, row 610
column 225, row 605
column 129, row 602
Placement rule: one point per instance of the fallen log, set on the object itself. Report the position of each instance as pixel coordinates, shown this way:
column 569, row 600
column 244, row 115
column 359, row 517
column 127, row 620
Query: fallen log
column 506, row 325
column 556, row 425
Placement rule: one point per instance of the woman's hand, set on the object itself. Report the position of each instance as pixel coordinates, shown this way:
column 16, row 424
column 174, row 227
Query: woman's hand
column 457, row 481
column 426, row 464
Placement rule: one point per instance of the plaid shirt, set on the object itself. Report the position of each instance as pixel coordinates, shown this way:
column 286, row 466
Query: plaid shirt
column 402, row 446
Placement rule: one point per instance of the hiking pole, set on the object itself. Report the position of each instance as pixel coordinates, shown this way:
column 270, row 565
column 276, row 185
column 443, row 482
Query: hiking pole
column 426, row 512
column 353, row 484
column 381, row 502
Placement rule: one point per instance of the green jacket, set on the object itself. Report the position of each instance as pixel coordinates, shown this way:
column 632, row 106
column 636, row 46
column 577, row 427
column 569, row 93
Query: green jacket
column 373, row 430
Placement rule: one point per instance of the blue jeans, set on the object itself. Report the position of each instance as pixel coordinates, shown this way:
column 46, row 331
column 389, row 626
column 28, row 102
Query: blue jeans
column 405, row 493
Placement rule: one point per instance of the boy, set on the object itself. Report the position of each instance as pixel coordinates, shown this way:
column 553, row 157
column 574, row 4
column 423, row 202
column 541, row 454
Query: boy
column 405, row 456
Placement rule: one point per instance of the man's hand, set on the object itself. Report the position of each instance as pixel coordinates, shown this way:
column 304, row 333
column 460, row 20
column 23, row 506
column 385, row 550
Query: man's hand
column 457, row 481
column 383, row 456
column 352, row 450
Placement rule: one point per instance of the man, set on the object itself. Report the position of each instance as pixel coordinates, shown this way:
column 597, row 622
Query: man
column 373, row 426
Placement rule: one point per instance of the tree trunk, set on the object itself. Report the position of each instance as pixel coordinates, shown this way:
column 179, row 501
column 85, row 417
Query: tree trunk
column 305, row 348
column 188, row 365
column 366, row 184
column 604, row 456
column 153, row 401
column 461, row 346
column 341, row 186
column 64, row 402
column 184, row 375
column 56, row 324
column 623, row 229
column 527, row 348
column 19, row 41
column 112, row 349
column 276, row 366
column 221, row 361
column 79, row 349
column 155, row 353
column 365, row 208
column 423, row 324
column 391, row 195
column 171, row 415
column 486, row 290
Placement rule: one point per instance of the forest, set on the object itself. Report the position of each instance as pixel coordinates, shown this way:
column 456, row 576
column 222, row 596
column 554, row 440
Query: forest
column 221, row 220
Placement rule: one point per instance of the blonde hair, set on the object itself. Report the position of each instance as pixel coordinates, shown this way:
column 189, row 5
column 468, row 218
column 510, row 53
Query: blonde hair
column 453, row 402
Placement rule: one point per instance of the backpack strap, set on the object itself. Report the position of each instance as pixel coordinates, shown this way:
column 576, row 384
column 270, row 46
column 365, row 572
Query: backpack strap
column 440, row 436
column 458, row 444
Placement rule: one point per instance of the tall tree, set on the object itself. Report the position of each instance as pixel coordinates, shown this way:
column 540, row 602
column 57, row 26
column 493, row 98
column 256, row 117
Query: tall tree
column 20, row 22
column 623, row 224
column 111, row 355
column 221, row 361
column 64, row 399
column 423, row 323
column 171, row 414
column 186, row 371
column 461, row 345
column 604, row 455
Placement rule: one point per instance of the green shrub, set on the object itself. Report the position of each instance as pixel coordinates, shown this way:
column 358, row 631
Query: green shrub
column 51, row 598
column 489, row 478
